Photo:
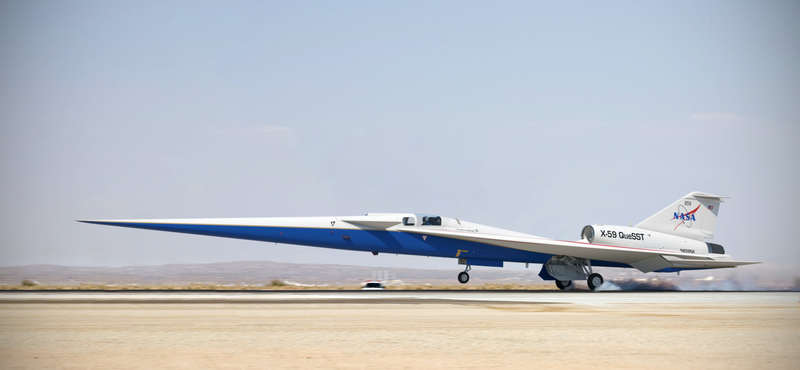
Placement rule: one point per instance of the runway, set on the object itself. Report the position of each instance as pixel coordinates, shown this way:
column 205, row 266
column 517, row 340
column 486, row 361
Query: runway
column 397, row 296
column 400, row 330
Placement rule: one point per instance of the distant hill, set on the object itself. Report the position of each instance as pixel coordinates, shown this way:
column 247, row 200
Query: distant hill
column 250, row 272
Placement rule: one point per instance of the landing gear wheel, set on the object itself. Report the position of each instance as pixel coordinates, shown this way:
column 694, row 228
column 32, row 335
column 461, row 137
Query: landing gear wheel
column 594, row 281
column 463, row 277
column 564, row 284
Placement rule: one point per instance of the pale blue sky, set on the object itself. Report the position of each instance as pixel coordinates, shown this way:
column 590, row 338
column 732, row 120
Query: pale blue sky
column 536, row 117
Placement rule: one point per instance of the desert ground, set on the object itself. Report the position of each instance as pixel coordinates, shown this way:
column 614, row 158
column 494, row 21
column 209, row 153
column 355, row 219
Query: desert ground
column 420, row 330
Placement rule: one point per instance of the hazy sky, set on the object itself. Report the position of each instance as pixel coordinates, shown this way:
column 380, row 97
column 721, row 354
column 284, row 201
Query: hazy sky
column 535, row 117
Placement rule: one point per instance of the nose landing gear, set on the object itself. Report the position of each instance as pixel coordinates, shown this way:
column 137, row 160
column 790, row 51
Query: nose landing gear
column 463, row 277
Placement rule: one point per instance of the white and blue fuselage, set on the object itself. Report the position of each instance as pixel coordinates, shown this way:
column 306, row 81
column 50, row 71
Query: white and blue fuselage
column 671, row 240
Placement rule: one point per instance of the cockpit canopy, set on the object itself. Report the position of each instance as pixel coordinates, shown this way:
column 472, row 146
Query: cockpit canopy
column 431, row 221
column 426, row 220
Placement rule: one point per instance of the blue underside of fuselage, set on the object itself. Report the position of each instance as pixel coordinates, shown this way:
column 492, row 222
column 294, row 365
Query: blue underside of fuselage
column 380, row 241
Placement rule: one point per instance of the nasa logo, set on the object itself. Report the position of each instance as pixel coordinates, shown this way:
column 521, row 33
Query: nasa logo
column 685, row 217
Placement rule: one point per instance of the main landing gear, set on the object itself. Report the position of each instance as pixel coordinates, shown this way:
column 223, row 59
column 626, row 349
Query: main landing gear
column 463, row 277
column 564, row 284
column 565, row 269
column 594, row 281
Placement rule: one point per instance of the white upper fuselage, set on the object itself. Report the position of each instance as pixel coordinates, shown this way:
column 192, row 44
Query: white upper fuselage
column 290, row 230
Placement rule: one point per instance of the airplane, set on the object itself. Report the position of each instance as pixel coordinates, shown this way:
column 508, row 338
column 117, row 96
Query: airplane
column 671, row 240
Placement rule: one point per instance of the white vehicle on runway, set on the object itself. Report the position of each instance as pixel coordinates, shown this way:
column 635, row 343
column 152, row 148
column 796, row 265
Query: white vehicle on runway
column 671, row 240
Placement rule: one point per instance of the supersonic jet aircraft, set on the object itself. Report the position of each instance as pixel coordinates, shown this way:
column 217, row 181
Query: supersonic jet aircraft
column 669, row 241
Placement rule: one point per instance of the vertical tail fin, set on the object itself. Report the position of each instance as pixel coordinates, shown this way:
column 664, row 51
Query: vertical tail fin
column 693, row 216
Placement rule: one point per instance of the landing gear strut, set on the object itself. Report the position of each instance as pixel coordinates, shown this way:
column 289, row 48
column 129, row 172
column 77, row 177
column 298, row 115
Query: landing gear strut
column 463, row 277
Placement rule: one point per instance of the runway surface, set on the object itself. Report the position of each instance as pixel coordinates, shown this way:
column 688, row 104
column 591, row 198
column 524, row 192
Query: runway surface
column 395, row 296
column 400, row 330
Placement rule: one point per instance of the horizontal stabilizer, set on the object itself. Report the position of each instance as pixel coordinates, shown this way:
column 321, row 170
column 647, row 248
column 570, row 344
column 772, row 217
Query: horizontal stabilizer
column 704, row 264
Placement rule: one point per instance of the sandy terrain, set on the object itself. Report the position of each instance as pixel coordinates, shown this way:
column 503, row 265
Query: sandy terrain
column 731, row 334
